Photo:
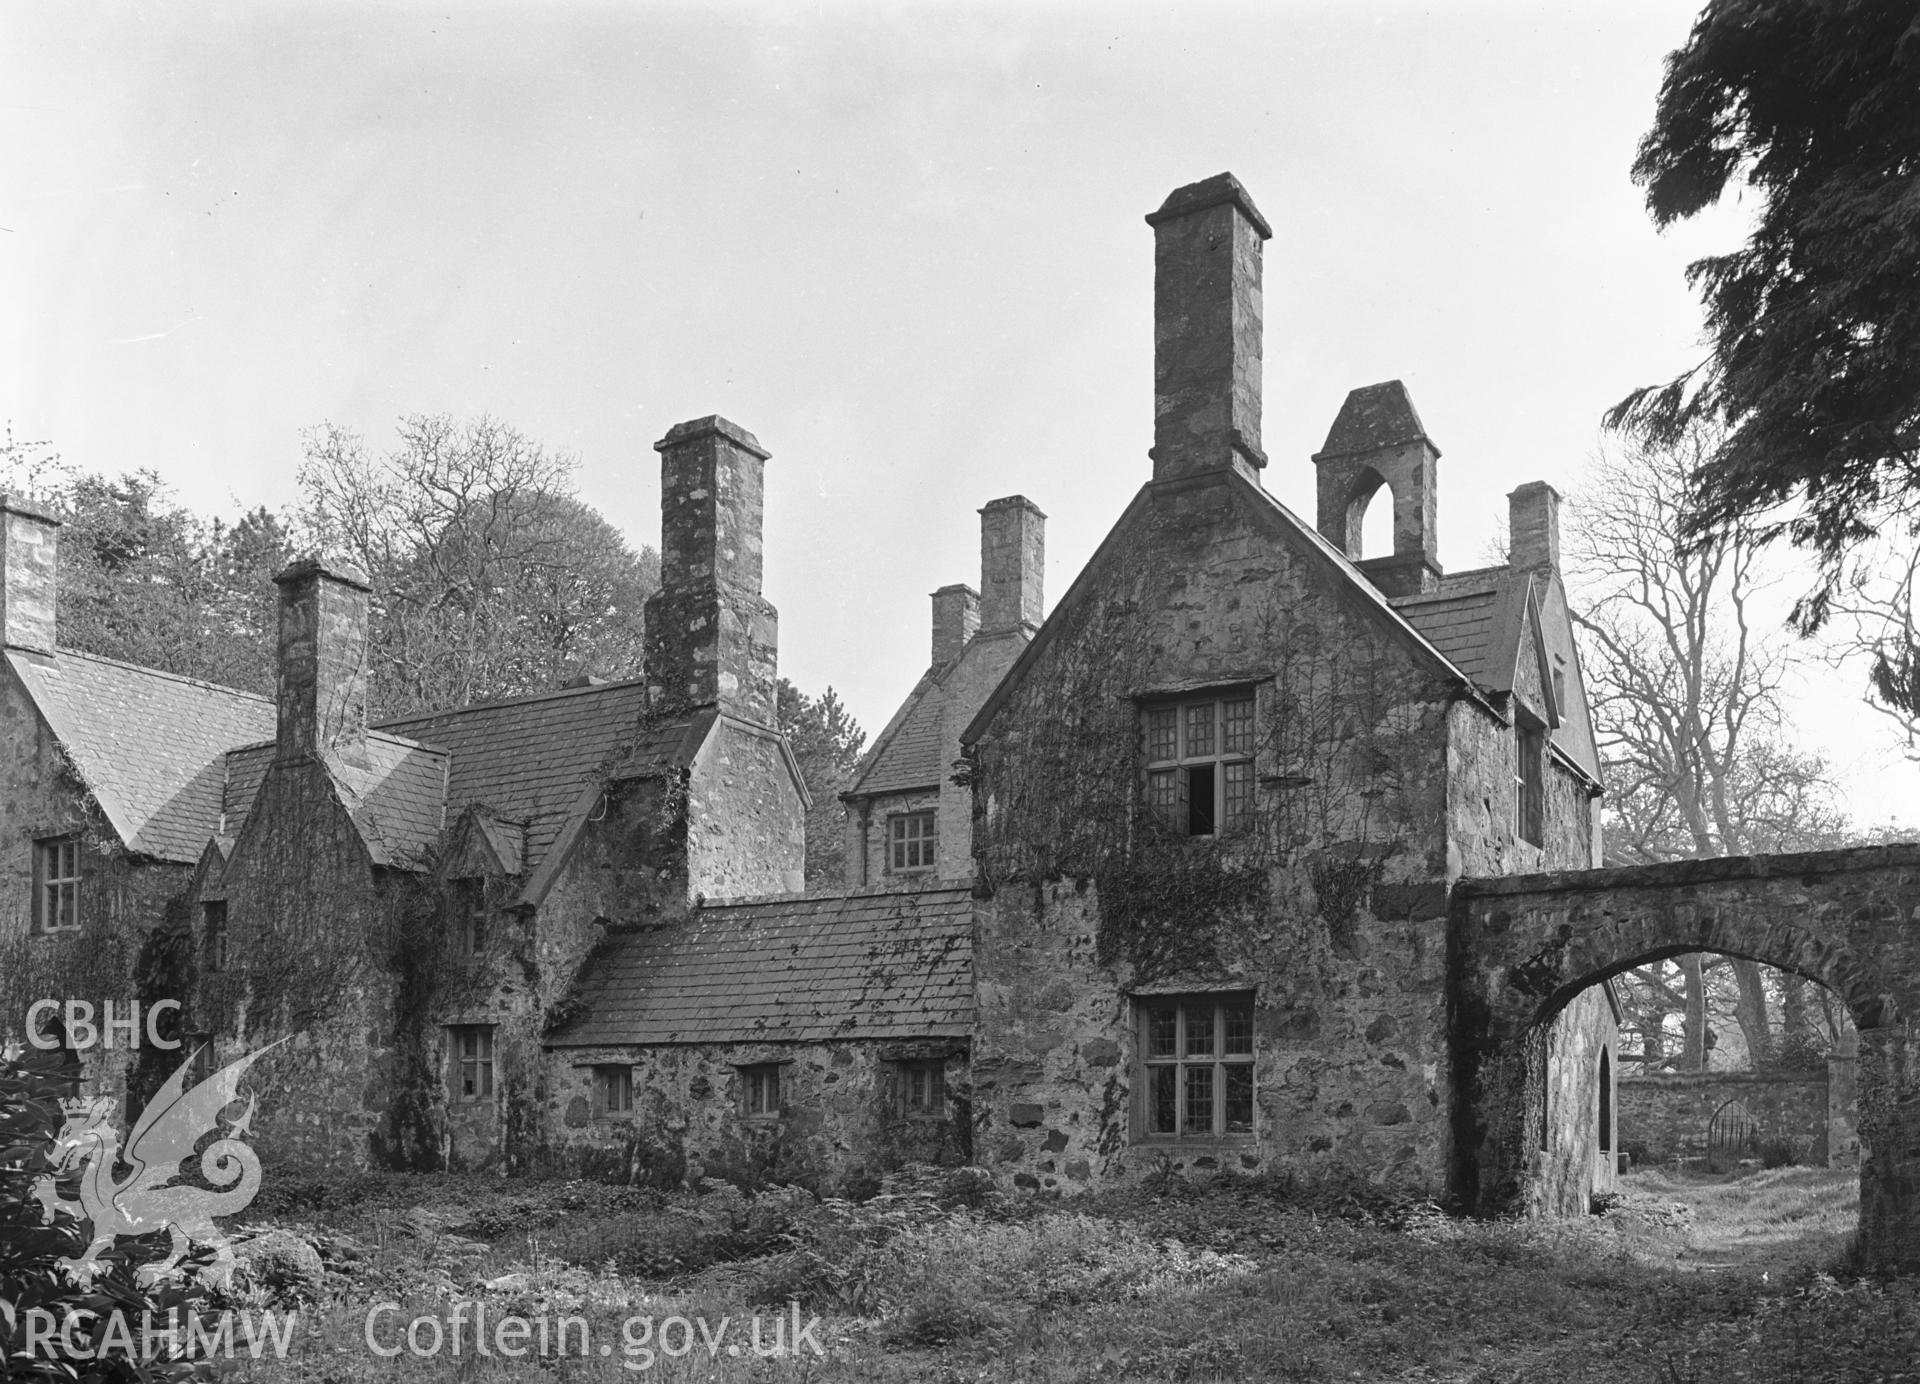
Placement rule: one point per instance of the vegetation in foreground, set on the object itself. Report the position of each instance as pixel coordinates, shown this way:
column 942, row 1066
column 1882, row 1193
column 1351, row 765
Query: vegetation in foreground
column 1683, row 1278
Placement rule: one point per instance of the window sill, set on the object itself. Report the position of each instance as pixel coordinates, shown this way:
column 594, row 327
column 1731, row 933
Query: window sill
column 1192, row 1143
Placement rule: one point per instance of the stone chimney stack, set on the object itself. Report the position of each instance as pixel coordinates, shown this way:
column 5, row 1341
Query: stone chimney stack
column 322, row 689
column 29, row 576
column 1533, row 527
column 1206, row 330
column 956, row 615
column 712, row 639
column 1013, row 553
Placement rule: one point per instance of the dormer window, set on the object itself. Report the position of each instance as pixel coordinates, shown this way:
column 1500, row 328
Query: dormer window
column 910, row 842
column 469, row 904
column 1200, row 763
column 1529, row 779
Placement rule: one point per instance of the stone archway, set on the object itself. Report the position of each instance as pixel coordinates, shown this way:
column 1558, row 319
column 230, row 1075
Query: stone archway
column 1521, row 947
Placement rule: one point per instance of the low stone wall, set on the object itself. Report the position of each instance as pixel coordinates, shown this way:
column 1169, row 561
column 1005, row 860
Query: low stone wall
column 1664, row 1115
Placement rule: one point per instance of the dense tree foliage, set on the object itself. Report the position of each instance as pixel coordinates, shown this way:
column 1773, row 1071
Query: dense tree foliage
column 146, row 580
column 826, row 742
column 490, row 578
column 1810, row 111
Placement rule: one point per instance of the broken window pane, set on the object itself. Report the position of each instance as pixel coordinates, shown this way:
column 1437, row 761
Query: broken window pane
column 1237, row 1099
column 1200, row 800
column 1162, row 1110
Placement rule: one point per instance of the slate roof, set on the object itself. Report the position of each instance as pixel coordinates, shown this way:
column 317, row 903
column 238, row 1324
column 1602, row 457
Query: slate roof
column 1373, row 417
column 1462, row 626
column 527, row 760
column 908, row 753
column 398, row 801
column 150, row 745
column 803, row 969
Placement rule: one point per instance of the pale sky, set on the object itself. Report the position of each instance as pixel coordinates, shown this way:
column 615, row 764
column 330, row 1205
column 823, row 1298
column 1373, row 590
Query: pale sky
column 902, row 244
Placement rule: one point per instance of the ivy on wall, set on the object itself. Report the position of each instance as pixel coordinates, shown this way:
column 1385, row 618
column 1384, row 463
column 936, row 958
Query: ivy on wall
column 1350, row 766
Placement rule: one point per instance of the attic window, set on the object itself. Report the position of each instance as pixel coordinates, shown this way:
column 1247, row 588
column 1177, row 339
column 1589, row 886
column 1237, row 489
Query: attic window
column 214, row 934
column 56, row 894
column 1529, row 779
column 1199, row 758
column 469, row 904
column 910, row 842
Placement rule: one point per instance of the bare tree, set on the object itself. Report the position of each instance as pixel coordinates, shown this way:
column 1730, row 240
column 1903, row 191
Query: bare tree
column 1687, row 706
column 490, row 578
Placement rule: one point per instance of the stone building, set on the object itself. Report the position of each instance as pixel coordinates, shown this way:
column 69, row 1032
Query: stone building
column 1161, row 879
column 909, row 819
column 1220, row 798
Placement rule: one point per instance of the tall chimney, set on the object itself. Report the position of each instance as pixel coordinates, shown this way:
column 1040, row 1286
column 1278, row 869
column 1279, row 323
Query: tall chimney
column 956, row 615
column 29, row 576
column 1206, row 329
column 1013, row 553
column 322, row 690
column 1533, row 527
column 712, row 639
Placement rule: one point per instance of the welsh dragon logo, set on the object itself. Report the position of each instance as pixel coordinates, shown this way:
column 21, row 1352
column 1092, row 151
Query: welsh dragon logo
column 149, row 1198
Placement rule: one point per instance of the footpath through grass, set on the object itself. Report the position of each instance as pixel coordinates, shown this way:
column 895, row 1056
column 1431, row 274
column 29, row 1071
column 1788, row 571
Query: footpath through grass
column 940, row 1280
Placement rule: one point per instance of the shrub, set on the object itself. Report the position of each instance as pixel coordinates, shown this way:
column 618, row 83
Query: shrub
column 34, row 1238
column 1778, row 1153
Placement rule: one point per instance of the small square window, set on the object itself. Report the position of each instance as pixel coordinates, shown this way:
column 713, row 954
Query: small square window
column 56, row 895
column 472, row 1062
column 910, row 841
column 760, row 1090
column 214, row 934
column 923, row 1089
column 613, row 1089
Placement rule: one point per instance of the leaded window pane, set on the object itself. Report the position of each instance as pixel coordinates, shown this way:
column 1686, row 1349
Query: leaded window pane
column 1163, row 734
column 1238, row 791
column 1199, row 1030
column 1199, row 730
column 1162, row 1032
column 1236, row 726
column 1199, row 1113
column 1237, row 1021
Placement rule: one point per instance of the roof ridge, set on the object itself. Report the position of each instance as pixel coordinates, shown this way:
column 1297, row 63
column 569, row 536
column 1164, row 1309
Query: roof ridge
column 372, row 733
column 523, row 700
column 61, row 652
column 822, row 895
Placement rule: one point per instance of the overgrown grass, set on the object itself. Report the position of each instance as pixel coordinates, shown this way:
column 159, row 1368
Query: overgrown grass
column 1236, row 1281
